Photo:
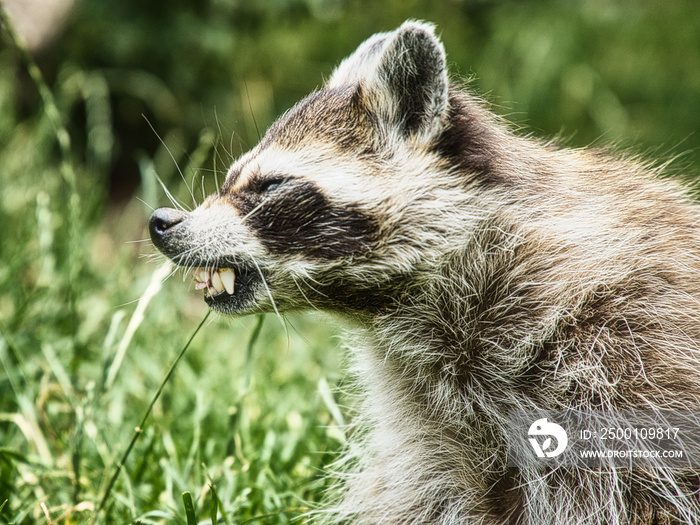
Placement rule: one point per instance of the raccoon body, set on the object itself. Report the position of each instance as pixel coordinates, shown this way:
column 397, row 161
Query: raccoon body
column 485, row 272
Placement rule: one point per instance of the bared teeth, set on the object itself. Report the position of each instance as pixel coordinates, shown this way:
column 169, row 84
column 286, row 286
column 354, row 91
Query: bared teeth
column 214, row 281
column 228, row 279
column 201, row 278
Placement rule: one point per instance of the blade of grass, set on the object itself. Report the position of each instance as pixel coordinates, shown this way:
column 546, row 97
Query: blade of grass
column 214, row 506
column 136, row 319
column 139, row 429
column 249, row 355
column 189, row 508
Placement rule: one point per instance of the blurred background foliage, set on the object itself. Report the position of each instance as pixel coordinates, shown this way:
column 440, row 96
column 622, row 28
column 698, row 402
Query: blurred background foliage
column 137, row 90
column 590, row 71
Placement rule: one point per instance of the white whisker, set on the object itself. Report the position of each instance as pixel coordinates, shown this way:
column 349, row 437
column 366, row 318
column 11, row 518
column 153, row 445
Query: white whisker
column 177, row 166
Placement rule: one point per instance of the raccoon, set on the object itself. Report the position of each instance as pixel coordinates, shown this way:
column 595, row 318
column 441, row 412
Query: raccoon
column 482, row 272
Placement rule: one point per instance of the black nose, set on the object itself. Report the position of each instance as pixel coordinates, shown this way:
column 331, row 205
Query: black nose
column 161, row 224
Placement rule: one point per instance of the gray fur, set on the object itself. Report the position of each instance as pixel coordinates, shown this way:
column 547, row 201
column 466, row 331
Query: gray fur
column 483, row 272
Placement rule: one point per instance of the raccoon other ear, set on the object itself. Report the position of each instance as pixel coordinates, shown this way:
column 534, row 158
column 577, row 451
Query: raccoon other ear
column 403, row 75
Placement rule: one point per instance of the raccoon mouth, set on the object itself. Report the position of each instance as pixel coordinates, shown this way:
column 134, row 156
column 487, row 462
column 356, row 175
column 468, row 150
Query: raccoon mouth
column 226, row 288
column 216, row 282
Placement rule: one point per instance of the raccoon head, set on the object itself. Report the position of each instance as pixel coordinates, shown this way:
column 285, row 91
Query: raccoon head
column 347, row 195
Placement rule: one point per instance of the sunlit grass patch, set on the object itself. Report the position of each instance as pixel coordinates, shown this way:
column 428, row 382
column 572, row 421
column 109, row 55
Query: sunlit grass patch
column 88, row 330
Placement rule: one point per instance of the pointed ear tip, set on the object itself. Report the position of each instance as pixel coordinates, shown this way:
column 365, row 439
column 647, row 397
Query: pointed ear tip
column 421, row 33
column 420, row 25
column 415, row 35
column 418, row 28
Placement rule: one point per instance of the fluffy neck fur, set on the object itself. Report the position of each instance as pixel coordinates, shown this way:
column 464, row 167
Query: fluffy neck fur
column 542, row 307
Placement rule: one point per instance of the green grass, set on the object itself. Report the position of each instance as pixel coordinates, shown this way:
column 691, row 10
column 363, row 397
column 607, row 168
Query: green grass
column 93, row 428
column 71, row 407
column 261, row 449
column 84, row 351
column 89, row 328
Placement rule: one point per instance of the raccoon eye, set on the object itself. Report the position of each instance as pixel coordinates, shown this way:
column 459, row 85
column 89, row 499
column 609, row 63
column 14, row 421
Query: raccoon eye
column 268, row 184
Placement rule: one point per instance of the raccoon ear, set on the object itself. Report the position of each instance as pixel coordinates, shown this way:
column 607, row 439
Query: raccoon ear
column 403, row 78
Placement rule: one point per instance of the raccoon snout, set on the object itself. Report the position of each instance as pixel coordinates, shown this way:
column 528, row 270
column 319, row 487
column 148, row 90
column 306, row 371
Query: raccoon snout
column 161, row 224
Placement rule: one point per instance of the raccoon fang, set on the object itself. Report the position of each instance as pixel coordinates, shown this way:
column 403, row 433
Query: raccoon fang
column 484, row 271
